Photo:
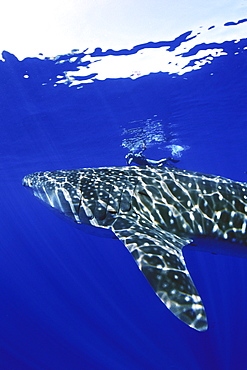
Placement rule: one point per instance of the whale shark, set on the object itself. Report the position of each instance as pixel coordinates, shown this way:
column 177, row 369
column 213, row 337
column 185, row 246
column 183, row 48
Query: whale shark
column 155, row 212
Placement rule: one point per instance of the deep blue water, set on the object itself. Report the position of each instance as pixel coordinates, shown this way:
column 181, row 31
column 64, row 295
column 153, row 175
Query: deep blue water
column 70, row 300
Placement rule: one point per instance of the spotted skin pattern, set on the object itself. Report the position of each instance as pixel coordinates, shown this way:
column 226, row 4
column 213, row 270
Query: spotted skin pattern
column 155, row 212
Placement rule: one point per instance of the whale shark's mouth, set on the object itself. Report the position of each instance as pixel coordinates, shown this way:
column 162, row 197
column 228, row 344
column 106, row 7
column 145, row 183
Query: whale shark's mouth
column 26, row 181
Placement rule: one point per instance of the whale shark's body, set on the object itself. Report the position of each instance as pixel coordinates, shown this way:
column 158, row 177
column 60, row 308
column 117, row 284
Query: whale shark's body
column 155, row 212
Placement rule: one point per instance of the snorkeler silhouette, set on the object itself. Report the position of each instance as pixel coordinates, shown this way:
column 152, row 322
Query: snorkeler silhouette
column 141, row 160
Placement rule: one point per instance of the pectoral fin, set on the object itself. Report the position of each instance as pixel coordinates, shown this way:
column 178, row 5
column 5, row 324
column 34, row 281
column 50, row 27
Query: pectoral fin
column 158, row 254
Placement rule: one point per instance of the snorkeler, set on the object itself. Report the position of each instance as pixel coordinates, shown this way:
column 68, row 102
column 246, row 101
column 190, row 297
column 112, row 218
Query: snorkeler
column 141, row 160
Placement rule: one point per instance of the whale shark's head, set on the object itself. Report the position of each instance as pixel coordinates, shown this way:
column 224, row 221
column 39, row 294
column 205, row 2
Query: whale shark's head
column 71, row 195
column 57, row 190
column 87, row 196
